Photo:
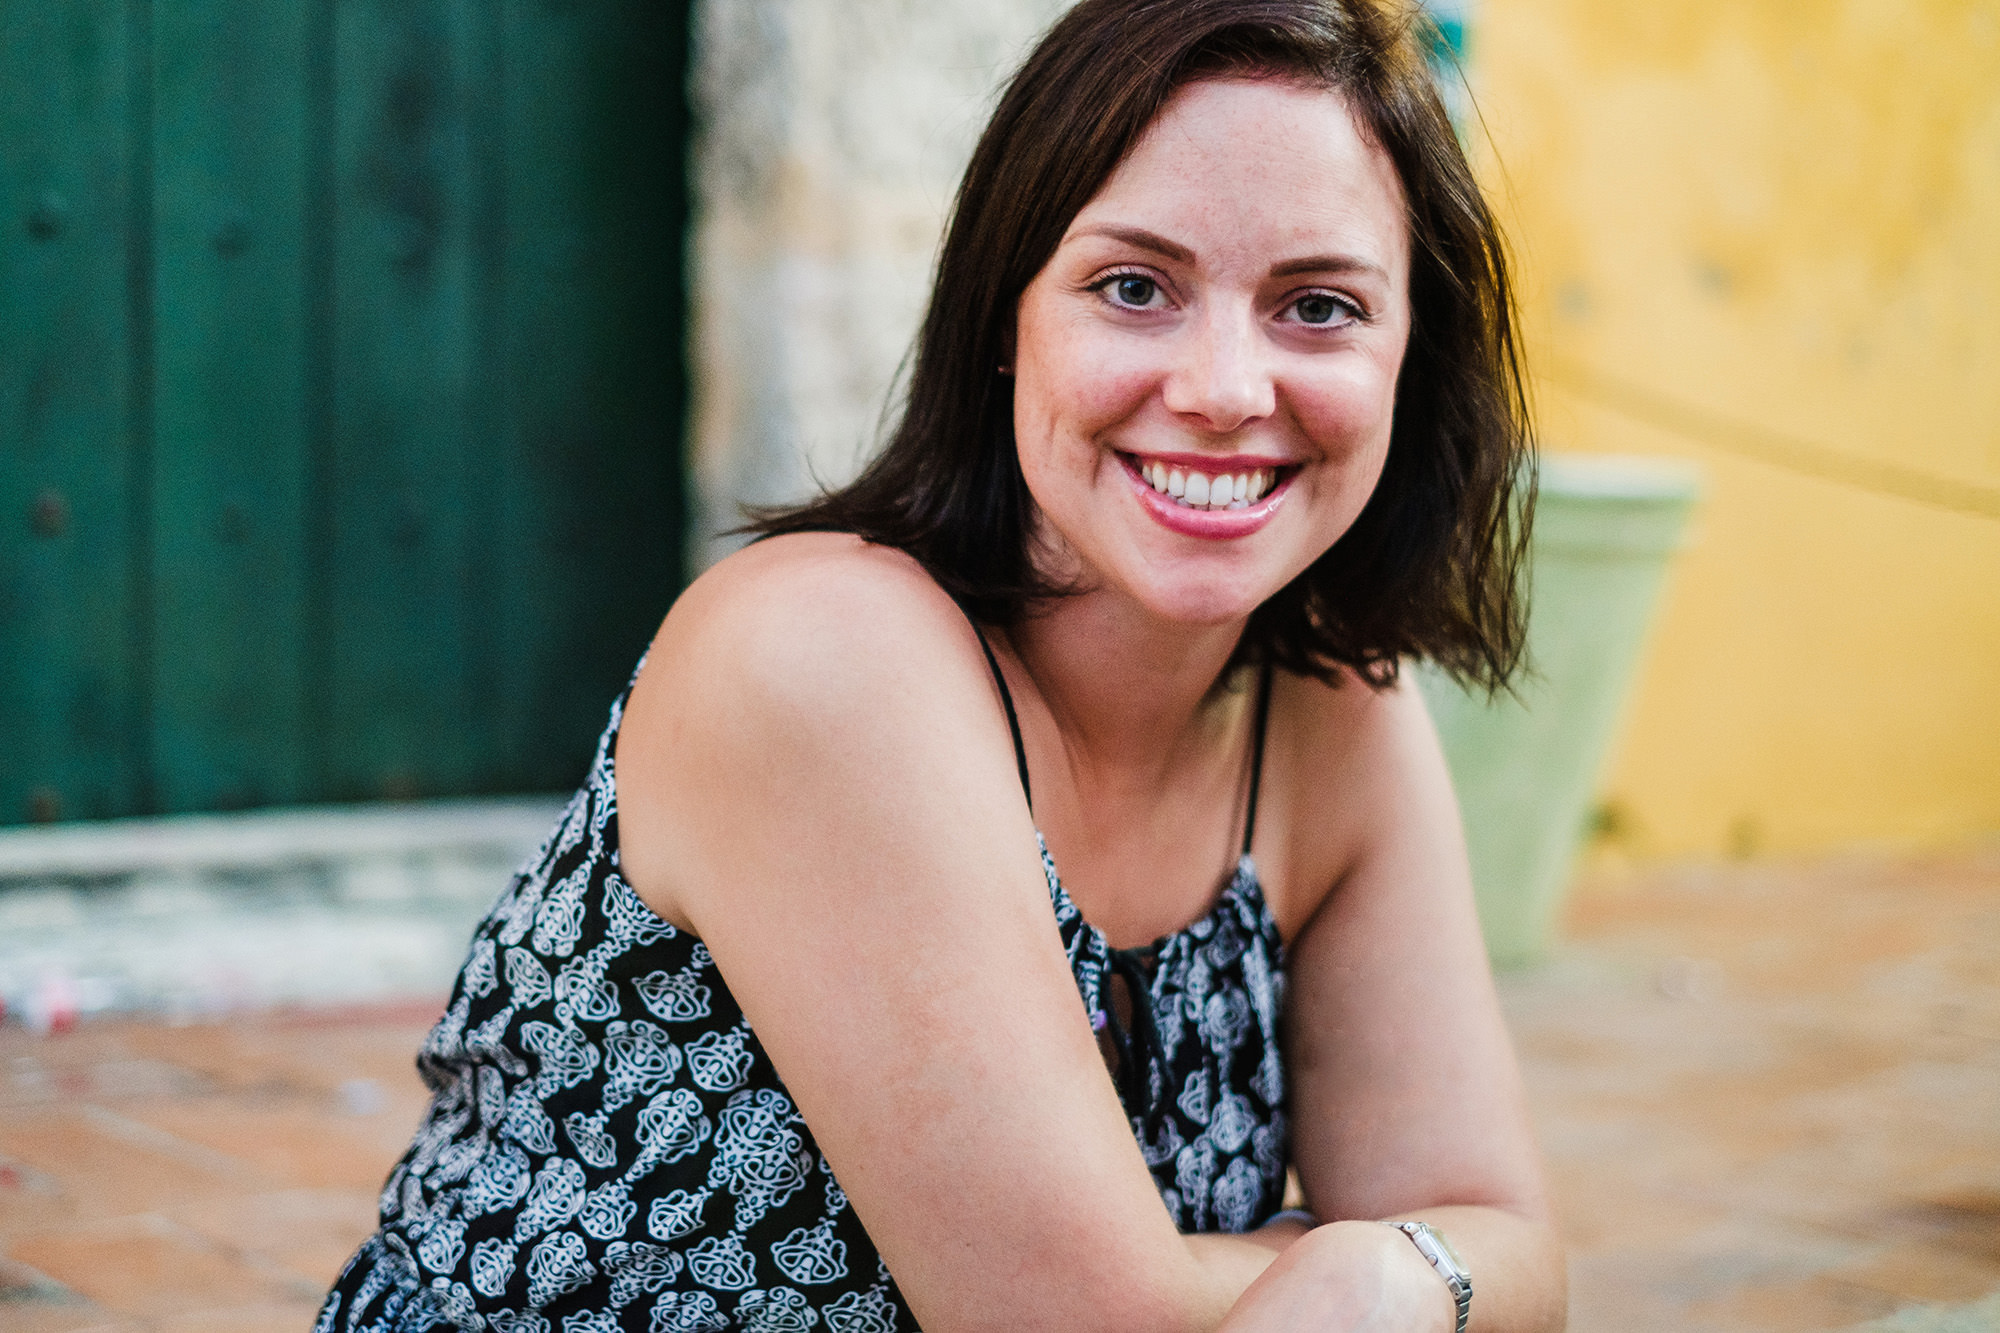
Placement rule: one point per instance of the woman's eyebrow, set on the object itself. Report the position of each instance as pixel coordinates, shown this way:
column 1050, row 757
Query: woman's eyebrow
column 1140, row 237
column 1329, row 264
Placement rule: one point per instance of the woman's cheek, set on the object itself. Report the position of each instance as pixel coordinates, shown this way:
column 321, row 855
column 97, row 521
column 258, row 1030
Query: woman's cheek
column 1350, row 436
column 1105, row 380
column 1348, row 408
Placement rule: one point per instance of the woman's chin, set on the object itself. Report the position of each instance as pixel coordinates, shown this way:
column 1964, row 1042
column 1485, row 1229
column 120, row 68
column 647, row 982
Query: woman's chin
column 1213, row 585
column 1199, row 604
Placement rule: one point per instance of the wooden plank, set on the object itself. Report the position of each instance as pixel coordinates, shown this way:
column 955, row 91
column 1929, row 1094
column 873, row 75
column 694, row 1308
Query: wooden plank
column 408, row 476
column 592, row 363
column 71, row 697
column 233, row 461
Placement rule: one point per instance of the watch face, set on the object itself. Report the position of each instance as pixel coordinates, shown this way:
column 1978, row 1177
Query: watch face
column 1434, row 1247
column 1451, row 1255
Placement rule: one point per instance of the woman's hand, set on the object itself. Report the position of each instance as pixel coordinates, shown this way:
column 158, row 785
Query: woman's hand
column 1346, row 1277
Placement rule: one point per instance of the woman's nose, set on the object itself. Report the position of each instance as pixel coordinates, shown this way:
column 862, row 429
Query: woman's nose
column 1221, row 377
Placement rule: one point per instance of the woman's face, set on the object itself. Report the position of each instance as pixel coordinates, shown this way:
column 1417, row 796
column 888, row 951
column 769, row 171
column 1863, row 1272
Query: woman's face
column 1226, row 318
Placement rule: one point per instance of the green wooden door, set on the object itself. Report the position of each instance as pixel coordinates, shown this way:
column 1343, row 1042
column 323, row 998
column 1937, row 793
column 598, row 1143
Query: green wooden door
column 341, row 388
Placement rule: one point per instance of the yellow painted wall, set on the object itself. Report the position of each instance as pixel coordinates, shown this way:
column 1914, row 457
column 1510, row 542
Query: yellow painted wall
column 1766, row 236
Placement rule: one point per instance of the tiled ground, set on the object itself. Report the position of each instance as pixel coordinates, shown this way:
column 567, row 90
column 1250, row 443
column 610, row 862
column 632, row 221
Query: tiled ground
column 1770, row 1097
column 206, row 1177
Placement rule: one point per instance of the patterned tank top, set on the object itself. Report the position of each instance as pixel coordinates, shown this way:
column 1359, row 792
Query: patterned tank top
column 609, row 1148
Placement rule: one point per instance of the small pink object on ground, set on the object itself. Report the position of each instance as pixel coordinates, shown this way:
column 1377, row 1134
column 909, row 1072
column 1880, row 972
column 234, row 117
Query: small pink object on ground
column 54, row 1006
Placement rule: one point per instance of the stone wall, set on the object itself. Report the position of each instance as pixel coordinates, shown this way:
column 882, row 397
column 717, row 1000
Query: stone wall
column 832, row 136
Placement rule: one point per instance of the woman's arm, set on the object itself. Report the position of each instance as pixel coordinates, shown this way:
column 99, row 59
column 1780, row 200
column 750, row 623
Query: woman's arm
column 814, row 774
column 1406, row 1101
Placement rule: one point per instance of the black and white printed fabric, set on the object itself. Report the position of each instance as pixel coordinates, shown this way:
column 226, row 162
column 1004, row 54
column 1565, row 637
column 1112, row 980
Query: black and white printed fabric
column 609, row 1148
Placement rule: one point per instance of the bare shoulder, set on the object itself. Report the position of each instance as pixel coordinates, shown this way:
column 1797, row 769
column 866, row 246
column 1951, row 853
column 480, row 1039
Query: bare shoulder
column 814, row 658
column 1353, row 767
column 793, row 610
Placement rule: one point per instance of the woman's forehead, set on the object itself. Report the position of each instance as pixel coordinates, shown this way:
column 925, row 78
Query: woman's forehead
column 1258, row 163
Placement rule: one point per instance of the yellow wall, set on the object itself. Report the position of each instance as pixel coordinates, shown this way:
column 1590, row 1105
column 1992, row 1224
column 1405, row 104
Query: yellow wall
column 1771, row 231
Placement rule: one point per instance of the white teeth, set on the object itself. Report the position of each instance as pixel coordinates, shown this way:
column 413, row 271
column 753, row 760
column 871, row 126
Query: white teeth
column 1203, row 490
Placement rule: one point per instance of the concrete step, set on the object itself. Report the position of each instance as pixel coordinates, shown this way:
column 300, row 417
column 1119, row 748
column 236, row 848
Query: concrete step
column 199, row 915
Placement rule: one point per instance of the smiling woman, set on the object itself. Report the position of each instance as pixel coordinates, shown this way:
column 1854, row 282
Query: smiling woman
column 793, row 1023
column 1428, row 568
column 1231, row 304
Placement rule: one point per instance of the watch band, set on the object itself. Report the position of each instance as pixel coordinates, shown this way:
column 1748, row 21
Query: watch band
column 1438, row 1253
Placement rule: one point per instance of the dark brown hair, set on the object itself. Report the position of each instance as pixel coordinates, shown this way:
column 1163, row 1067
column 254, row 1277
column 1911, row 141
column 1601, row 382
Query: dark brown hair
column 1431, row 566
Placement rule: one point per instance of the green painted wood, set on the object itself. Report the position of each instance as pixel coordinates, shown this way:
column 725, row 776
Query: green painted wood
column 408, row 481
column 233, row 468
column 352, row 360
column 71, row 739
column 595, row 125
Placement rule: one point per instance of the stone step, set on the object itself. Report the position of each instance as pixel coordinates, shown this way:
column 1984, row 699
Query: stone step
column 204, row 914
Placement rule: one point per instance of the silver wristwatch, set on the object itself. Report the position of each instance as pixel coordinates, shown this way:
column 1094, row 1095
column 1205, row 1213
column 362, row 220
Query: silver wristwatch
column 1432, row 1246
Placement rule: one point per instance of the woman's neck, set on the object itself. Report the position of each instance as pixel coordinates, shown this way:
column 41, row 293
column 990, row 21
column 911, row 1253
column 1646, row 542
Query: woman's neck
column 1129, row 693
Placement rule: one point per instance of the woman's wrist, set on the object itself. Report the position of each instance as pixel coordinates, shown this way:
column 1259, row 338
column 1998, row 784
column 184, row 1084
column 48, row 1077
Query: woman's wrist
column 1346, row 1277
column 1444, row 1261
column 1287, row 1226
column 1407, row 1293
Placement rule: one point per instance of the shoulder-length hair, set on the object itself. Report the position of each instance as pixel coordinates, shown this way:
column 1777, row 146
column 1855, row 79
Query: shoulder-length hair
column 1431, row 566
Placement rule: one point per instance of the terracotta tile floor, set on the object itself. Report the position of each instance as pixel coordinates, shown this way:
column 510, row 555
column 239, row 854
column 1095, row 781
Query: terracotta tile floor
column 1770, row 1097
column 207, row 1177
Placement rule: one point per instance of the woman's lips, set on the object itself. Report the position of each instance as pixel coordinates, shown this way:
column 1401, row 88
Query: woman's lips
column 1209, row 517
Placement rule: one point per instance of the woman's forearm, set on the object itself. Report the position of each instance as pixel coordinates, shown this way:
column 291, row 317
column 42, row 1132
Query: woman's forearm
column 1347, row 1277
column 1236, row 1261
column 1519, row 1283
column 1363, row 1277
column 1226, row 1265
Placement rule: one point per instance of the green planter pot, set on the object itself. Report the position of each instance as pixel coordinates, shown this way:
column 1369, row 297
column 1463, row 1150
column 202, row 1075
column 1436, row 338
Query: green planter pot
column 1527, row 767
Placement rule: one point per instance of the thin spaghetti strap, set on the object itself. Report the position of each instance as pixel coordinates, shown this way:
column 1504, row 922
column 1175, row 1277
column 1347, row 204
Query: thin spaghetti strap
column 1257, row 755
column 1007, row 701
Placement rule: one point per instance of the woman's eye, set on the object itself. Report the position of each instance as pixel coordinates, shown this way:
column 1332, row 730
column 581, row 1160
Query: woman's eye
column 1319, row 308
column 1137, row 291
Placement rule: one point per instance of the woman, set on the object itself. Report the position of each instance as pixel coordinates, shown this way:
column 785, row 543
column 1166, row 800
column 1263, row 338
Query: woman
column 1213, row 420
